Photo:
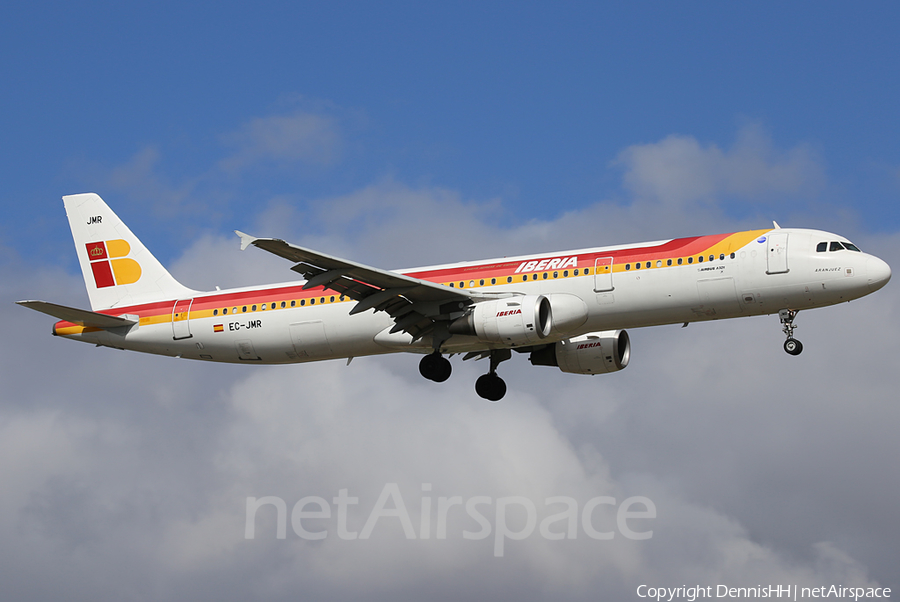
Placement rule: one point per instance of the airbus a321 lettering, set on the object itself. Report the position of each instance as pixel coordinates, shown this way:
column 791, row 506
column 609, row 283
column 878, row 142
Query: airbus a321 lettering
column 568, row 309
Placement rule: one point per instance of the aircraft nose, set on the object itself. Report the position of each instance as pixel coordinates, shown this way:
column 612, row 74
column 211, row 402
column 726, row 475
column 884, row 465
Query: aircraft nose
column 879, row 273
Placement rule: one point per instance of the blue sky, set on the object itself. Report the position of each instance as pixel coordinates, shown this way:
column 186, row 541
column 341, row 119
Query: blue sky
column 402, row 134
column 527, row 103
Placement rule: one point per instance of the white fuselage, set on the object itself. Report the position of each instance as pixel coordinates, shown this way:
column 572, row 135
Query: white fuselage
column 241, row 325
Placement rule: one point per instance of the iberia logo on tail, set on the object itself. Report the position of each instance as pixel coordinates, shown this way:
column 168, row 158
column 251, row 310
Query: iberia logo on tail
column 110, row 264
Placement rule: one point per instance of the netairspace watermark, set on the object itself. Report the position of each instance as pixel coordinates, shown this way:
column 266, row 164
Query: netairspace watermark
column 630, row 516
column 787, row 592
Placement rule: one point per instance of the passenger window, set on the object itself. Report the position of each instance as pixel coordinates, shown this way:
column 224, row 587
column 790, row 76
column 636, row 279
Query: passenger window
column 452, row 285
column 283, row 304
column 264, row 306
column 712, row 257
column 322, row 300
column 293, row 303
column 679, row 261
column 225, row 311
column 648, row 264
column 637, row 266
column 587, row 271
column 821, row 247
column 659, row 263
column 732, row 255
column 566, row 274
column 721, row 256
column 312, row 301
column 493, row 281
column 471, row 283
column 690, row 260
column 836, row 246
column 534, row 276
column 244, row 309
column 215, row 312
column 331, row 300
column 700, row 259
column 668, row 262
column 575, row 272
column 481, row 282
column 234, row 310
column 525, row 278
column 545, row 275
column 462, row 285
column 555, row 274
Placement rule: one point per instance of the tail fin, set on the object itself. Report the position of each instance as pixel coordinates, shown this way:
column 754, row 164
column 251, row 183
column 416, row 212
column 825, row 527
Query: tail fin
column 118, row 270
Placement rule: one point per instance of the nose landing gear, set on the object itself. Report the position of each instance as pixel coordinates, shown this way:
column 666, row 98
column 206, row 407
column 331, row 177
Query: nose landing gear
column 791, row 345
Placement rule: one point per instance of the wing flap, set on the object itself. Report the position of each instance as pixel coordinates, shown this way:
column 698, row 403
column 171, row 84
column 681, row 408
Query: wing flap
column 372, row 287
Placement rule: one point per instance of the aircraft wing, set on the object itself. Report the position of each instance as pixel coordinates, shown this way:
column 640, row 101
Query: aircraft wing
column 414, row 304
column 82, row 317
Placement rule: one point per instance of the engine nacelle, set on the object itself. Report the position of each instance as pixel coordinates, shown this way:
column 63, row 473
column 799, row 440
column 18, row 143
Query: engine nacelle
column 569, row 312
column 521, row 320
column 592, row 353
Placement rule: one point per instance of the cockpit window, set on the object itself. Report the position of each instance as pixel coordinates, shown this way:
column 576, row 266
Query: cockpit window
column 836, row 246
column 821, row 247
column 852, row 247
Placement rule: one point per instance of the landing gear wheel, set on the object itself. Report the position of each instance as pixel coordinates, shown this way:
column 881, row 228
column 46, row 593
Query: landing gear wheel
column 435, row 367
column 490, row 387
column 793, row 346
column 443, row 370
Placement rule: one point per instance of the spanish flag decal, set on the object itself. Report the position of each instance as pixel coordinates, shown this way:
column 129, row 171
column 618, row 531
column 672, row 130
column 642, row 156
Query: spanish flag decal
column 218, row 328
column 110, row 264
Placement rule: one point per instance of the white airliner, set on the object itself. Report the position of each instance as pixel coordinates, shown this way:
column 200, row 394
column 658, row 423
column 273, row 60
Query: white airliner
column 567, row 309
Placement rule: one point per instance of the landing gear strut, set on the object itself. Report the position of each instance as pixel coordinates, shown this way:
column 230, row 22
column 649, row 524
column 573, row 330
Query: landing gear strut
column 490, row 386
column 435, row 367
column 791, row 345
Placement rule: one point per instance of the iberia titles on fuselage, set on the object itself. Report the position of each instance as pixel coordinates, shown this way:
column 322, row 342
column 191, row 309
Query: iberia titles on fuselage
column 567, row 309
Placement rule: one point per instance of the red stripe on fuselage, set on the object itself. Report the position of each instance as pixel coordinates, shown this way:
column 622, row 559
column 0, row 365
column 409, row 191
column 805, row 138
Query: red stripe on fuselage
column 681, row 247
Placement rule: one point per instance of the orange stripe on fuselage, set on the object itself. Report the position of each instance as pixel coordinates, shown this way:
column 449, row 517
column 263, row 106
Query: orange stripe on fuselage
column 160, row 312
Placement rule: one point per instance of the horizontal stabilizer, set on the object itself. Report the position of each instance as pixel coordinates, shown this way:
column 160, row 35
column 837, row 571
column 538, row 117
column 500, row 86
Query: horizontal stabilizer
column 82, row 317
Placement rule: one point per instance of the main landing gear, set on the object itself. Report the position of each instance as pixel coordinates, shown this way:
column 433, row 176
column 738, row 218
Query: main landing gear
column 435, row 367
column 791, row 345
column 489, row 386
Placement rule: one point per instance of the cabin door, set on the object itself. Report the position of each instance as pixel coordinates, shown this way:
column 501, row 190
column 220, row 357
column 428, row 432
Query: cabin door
column 776, row 251
column 603, row 274
column 181, row 312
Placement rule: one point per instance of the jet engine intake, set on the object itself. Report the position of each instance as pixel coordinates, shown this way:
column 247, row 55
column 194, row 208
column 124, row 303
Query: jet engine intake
column 520, row 320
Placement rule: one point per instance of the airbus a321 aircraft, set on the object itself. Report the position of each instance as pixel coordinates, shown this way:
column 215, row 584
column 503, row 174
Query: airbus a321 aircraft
column 567, row 309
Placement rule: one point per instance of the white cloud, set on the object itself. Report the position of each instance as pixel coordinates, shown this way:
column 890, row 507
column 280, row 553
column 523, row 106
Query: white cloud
column 143, row 180
column 128, row 475
column 284, row 140
column 679, row 170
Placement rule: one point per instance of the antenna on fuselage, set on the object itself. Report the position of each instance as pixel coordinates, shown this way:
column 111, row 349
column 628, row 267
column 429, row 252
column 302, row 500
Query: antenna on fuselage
column 777, row 227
